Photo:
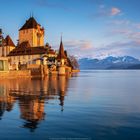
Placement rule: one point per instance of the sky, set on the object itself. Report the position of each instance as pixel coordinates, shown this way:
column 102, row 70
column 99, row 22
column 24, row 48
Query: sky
column 90, row 28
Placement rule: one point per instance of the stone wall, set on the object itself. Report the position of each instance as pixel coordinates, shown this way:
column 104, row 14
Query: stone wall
column 33, row 66
column 36, row 71
column 35, row 37
column 26, row 35
column 5, row 50
column 15, row 74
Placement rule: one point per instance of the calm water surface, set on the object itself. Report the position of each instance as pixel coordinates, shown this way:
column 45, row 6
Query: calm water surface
column 92, row 105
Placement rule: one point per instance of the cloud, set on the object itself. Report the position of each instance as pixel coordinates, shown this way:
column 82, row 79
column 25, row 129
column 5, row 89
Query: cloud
column 124, row 32
column 129, row 34
column 136, row 25
column 84, row 48
column 122, row 48
column 106, row 12
column 78, row 48
column 119, row 22
column 80, row 44
column 115, row 11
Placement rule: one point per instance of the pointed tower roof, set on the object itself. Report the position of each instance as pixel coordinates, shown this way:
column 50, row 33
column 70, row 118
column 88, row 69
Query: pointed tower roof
column 61, row 54
column 29, row 24
column 8, row 41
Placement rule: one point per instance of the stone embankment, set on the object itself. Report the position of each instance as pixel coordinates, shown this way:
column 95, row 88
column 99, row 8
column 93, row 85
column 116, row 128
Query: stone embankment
column 39, row 71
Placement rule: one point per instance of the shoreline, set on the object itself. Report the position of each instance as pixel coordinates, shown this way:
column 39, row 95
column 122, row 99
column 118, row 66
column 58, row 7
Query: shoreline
column 13, row 74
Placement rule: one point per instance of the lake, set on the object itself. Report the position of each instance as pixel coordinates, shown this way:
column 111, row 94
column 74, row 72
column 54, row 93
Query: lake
column 90, row 105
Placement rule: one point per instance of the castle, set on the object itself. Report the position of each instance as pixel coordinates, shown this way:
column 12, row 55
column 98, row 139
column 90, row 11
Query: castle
column 31, row 51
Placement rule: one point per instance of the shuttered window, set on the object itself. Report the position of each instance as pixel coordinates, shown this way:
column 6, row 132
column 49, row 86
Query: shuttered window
column 1, row 65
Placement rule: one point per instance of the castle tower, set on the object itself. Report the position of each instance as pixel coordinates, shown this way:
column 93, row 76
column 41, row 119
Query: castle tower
column 61, row 55
column 32, row 32
column 8, row 45
column 61, row 58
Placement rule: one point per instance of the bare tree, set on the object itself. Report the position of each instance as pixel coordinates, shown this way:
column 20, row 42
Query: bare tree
column 73, row 62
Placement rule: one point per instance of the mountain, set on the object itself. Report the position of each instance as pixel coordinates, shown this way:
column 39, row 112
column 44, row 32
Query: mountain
column 134, row 67
column 125, row 62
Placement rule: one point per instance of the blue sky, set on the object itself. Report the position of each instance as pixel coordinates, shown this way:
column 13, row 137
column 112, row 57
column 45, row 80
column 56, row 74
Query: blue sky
column 91, row 28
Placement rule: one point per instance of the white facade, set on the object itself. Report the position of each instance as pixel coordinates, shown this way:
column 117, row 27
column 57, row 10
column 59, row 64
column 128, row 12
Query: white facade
column 5, row 50
column 23, row 59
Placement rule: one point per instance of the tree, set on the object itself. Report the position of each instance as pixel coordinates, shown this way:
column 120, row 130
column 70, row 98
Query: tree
column 73, row 62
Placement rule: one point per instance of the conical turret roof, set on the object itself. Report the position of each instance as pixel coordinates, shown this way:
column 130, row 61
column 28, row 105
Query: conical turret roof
column 61, row 54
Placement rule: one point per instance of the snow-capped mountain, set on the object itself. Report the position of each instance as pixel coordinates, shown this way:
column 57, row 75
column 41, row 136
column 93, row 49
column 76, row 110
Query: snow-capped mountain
column 110, row 62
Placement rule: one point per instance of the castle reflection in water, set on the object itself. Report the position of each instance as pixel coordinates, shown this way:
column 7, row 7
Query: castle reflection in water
column 31, row 96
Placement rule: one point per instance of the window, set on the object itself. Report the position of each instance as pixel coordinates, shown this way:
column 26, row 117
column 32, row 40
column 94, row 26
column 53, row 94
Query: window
column 1, row 65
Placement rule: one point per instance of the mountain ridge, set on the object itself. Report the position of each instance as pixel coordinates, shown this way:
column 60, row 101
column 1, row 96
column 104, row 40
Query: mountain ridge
column 111, row 62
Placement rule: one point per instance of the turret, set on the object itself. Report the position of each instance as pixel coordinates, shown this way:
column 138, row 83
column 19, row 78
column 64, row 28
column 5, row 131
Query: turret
column 61, row 58
column 32, row 32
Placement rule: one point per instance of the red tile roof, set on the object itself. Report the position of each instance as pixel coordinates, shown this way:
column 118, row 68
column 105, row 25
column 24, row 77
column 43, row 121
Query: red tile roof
column 8, row 41
column 25, row 49
column 30, row 23
column 51, row 51
column 61, row 54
